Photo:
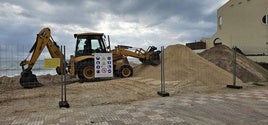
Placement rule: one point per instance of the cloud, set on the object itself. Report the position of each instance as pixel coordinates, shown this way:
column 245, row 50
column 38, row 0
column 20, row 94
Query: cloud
column 139, row 23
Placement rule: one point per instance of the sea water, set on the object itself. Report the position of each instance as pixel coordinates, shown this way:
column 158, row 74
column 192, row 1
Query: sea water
column 12, row 68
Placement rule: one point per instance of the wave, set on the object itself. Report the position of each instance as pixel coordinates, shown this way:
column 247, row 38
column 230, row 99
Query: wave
column 13, row 68
column 11, row 73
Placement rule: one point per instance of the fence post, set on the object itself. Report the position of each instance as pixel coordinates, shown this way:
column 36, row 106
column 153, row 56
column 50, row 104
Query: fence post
column 63, row 102
column 162, row 91
column 234, row 86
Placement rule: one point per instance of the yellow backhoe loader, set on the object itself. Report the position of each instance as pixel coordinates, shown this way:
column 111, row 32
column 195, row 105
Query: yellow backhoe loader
column 81, row 64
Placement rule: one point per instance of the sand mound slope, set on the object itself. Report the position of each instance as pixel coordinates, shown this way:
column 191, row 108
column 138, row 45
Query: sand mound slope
column 247, row 70
column 183, row 65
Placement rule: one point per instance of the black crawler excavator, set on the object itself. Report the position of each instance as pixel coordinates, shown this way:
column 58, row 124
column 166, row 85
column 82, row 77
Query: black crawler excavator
column 81, row 64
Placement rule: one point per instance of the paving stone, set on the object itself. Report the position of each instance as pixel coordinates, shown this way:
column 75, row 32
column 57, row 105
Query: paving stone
column 143, row 109
column 186, row 100
column 149, row 112
column 98, row 119
column 184, row 104
column 231, row 95
column 231, row 108
column 111, row 118
column 101, row 123
column 20, row 121
column 143, row 118
column 168, row 114
column 125, row 116
column 162, row 122
column 245, row 96
column 116, row 122
column 6, row 122
column 11, row 118
column 155, row 117
column 132, row 110
column 121, row 112
column 264, row 100
column 231, row 98
column 130, row 121
column 217, row 100
column 175, row 119
column 35, row 123
column 82, row 122
column 137, row 114
column 216, row 96
column 260, row 97
column 160, row 111
column 200, row 102
column 181, row 123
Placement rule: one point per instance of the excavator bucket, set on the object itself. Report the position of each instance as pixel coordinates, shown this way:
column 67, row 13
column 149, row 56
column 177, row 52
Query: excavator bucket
column 29, row 80
column 155, row 58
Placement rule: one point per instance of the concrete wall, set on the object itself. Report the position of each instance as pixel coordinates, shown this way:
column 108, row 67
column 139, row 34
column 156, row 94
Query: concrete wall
column 240, row 23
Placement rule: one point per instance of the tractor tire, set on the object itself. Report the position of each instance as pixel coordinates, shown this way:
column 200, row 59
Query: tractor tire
column 86, row 71
column 125, row 71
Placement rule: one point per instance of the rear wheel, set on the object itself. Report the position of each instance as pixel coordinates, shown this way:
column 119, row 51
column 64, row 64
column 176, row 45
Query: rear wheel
column 86, row 71
column 125, row 71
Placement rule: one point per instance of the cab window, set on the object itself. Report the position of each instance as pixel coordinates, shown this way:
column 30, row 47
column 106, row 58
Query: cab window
column 95, row 44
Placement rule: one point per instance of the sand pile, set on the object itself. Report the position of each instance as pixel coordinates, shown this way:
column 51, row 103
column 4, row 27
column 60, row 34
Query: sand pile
column 247, row 70
column 12, row 83
column 185, row 66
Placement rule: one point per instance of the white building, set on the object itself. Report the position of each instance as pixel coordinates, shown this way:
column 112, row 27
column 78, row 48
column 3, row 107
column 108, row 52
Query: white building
column 242, row 23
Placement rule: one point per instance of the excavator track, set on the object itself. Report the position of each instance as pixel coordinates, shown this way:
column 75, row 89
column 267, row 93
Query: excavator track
column 29, row 80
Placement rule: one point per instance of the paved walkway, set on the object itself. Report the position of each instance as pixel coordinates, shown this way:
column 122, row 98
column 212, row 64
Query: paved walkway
column 244, row 107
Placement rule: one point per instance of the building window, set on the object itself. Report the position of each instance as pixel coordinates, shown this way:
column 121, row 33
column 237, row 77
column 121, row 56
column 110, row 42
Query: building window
column 217, row 41
column 220, row 22
column 265, row 19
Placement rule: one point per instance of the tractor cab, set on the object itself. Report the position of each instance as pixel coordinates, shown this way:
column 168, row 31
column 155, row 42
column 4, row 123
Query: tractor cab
column 89, row 43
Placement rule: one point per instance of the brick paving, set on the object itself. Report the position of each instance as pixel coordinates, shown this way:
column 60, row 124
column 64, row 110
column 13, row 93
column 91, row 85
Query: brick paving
column 244, row 107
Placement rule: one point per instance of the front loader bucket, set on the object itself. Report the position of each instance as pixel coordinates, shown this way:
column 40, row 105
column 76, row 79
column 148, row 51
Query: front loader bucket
column 29, row 80
column 155, row 58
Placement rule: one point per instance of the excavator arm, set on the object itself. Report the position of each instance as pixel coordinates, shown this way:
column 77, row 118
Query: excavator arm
column 150, row 56
column 121, row 65
column 43, row 39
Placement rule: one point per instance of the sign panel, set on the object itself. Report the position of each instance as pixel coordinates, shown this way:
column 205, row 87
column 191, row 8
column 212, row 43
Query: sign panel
column 103, row 65
column 52, row 63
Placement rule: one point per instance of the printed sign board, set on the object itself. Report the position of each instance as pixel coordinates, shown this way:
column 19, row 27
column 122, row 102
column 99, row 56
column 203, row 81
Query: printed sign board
column 103, row 65
column 52, row 63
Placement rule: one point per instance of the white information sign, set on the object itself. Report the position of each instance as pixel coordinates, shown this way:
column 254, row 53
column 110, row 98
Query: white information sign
column 103, row 65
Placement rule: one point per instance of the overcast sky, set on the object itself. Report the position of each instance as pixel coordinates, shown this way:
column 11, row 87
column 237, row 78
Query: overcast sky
column 138, row 23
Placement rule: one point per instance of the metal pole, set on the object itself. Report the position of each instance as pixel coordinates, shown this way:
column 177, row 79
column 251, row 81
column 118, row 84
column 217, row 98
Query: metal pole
column 234, row 86
column 64, row 73
column 61, row 76
column 161, row 84
column 162, row 91
column 163, row 69
column 63, row 103
column 234, row 65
